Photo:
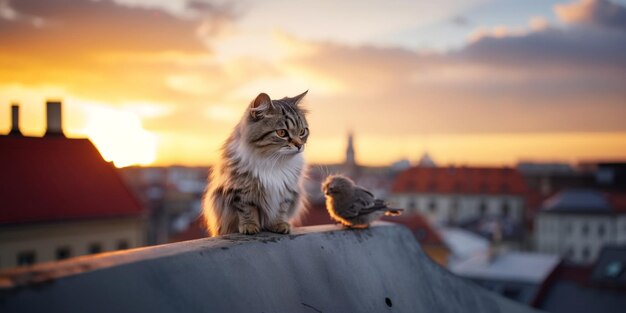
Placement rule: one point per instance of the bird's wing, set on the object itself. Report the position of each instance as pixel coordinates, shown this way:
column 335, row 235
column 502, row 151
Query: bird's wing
column 361, row 200
column 376, row 205
column 366, row 201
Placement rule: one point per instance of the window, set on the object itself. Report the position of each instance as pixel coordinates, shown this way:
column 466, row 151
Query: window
column 585, row 253
column 482, row 208
column 63, row 253
column 432, row 207
column 614, row 269
column 601, row 230
column 411, row 205
column 454, row 210
column 26, row 258
column 122, row 245
column 585, row 230
column 95, row 248
column 506, row 209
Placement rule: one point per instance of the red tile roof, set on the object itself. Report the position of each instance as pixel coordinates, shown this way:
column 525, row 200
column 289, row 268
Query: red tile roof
column 618, row 201
column 419, row 226
column 54, row 178
column 459, row 180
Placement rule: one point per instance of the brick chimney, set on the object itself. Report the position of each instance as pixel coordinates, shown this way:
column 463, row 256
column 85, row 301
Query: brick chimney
column 53, row 119
column 15, row 120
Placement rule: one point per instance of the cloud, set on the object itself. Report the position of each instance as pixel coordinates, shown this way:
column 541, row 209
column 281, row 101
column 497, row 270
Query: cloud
column 597, row 12
column 96, row 25
column 581, row 48
column 540, row 78
column 189, row 68
column 100, row 48
column 460, row 21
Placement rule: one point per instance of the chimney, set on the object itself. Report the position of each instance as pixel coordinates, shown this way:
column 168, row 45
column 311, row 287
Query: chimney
column 53, row 118
column 15, row 120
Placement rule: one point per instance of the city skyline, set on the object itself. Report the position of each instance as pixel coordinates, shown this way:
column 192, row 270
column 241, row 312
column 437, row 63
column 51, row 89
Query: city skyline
column 478, row 83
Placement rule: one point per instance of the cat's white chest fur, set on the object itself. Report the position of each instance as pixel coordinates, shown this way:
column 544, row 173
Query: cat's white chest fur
column 277, row 175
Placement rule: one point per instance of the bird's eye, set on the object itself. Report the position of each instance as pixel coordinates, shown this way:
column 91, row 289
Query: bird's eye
column 281, row 133
column 303, row 132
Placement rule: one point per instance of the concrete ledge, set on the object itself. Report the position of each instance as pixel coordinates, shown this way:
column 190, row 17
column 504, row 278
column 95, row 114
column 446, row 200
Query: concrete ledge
column 315, row 269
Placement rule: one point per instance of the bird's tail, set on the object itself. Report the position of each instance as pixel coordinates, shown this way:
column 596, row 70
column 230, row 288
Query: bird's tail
column 393, row 212
column 380, row 205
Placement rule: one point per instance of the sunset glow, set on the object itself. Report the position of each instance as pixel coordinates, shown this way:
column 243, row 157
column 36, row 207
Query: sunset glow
column 120, row 137
column 471, row 83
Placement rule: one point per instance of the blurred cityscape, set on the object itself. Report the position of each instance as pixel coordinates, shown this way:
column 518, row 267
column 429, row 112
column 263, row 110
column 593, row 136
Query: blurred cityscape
column 536, row 232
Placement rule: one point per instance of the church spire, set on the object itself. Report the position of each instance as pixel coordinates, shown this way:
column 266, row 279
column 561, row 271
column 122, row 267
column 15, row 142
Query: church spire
column 350, row 166
column 350, row 157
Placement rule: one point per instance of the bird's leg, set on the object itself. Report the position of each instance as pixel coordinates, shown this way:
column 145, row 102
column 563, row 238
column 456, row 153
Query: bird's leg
column 249, row 223
column 281, row 224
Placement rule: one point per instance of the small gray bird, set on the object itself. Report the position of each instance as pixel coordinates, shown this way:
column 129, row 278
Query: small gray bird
column 352, row 205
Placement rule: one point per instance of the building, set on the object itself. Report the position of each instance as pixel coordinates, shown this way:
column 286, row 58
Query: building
column 515, row 275
column 171, row 195
column 463, row 244
column 599, row 287
column 60, row 198
column 460, row 195
column 577, row 223
column 428, row 237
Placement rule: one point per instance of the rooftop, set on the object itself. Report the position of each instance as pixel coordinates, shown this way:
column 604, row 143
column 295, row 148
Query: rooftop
column 508, row 266
column 72, row 181
column 315, row 269
column 579, row 201
column 587, row 288
column 460, row 180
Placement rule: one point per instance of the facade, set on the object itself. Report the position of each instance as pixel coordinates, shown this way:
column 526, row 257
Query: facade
column 59, row 198
column 29, row 243
column 459, row 195
column 577, row 223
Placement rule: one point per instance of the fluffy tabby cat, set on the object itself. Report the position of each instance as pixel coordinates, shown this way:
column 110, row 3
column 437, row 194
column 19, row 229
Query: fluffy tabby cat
column 257, row 184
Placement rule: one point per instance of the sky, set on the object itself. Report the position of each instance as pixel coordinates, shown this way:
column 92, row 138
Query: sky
column 476, row 82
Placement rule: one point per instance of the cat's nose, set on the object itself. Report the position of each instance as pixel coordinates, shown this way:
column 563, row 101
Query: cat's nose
column 299, row 146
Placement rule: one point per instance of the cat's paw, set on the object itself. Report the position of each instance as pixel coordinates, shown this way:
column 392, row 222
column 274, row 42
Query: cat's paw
column 249, row 229
column 280, row 228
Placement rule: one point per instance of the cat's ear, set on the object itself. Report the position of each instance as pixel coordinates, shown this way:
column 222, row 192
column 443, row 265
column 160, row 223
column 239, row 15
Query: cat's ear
column 261, row 103
column 295, row 100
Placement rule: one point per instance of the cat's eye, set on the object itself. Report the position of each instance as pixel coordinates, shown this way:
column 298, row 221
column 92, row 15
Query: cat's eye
column 303, row 132
column 281, row 133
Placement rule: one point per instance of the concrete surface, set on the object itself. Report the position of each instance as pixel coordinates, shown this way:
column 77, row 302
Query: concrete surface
column 315, row 269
